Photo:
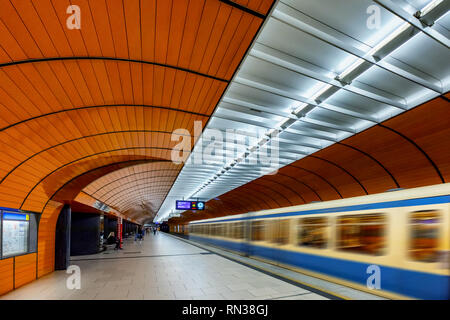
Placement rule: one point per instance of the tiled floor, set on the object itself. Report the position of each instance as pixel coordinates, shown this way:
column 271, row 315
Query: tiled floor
column 308, row 281
column 161, row 267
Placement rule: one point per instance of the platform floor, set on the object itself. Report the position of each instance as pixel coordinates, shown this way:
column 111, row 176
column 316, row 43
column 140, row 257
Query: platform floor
column 165, row 267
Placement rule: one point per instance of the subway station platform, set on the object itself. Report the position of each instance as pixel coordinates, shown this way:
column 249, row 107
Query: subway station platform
column 165, row 267
column 285, row 149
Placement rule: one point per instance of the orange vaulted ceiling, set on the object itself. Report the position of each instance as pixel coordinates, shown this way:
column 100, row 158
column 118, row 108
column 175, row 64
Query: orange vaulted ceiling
column 78, row 104
column 407, row 151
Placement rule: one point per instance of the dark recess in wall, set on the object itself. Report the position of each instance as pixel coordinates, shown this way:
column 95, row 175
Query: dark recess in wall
column 85, row 234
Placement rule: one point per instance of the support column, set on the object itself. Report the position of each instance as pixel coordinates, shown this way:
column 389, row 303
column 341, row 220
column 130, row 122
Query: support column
column 62, row 239
column 119, row 232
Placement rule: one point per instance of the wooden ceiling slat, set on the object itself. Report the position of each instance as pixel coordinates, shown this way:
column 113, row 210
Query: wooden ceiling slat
column 101, row 27
column 133, row 29
column 177, row 26
column 261, row 6
column 434, row 120
column 16, row 26
column 192, row 25
column 163, row 16
column 17, row 94
column 3, row 55
column 148, row 14
column 53, row 27
column 88, row 31
column 10, row 45
column 103, row 81
column 69, row 86
column 7, row 116
column 231, row 62
column 38, row 82
column 117, row 23
column 158, row 83
column 215, row 39
column 209, row 19
column 368, row 172
column 51, row 80
column 12, row 109
column 169, row 79
column 74, row 37
column 137, row 83
column 27, row 88
column 213, row 97
column 265, row 6
column 125, row 78
column 178, row 86
column 33, row 23
column 115, row 81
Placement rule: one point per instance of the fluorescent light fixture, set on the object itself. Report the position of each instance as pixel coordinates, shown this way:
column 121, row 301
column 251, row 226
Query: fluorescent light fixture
column 272, row 132
column 430, row 6
column 263, row 141
column 389, row 38
column 350, row 68
column 299, row 108
column 283, row 122
column 375, row 49
column 321, row 91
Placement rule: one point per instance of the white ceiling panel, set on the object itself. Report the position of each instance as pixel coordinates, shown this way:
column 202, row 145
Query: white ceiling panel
column 315, row 75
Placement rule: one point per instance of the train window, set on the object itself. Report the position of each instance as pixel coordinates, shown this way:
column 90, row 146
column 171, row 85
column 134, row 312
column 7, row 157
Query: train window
column 226, row 232
column 362, row 233
column 258, row 228
column 217, row 229
column 237, row 230
column 213, row 230
column 220, row 229
column 424, row 241
column 279, row 231
column 312, row 232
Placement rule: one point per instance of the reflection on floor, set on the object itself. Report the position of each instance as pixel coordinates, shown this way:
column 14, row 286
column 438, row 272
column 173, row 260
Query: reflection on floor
column 161, row 267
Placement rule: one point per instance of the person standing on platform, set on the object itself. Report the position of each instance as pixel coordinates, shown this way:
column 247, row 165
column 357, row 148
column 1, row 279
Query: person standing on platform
column 138, row 234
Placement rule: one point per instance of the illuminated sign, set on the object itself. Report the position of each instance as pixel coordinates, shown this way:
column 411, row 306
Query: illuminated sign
column 101, row 206
column 189, row 205
column 15, row 232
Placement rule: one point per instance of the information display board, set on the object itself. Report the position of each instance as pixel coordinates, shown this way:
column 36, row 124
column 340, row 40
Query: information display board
column 15, row 234
column 189, row 205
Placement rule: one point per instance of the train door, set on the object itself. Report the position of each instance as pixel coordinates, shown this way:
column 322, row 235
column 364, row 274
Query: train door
column 278, row 235
column 246, row 244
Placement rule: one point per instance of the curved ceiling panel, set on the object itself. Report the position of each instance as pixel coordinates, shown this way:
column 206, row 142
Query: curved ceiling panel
column 48, row 88
column 207, row 36
column 79, row 104
column 141, row 187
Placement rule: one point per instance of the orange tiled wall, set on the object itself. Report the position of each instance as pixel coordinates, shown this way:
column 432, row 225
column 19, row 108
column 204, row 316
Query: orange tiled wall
column 24, row 269
column 46, row 239
column 18, row 271
column 6, row 275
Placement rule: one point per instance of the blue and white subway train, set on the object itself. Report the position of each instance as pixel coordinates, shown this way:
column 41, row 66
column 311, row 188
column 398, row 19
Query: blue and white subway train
column 406, row 233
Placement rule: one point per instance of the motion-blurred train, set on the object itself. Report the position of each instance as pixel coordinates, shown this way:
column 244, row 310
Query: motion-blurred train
column 406, row 233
